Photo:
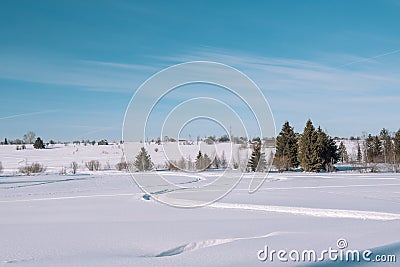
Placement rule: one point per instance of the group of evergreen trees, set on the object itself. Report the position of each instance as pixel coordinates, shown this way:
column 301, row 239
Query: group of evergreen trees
column 313, row 150
column 202, row 162
column 382, row 148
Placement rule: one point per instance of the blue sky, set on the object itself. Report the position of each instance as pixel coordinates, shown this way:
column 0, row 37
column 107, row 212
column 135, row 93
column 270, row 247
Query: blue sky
column 68, row 69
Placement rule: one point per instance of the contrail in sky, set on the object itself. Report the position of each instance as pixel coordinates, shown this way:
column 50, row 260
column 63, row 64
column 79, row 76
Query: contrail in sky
column 27, row 114
column 370, row 58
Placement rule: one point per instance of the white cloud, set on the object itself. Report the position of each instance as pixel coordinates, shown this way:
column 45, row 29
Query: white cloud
column 294, row 74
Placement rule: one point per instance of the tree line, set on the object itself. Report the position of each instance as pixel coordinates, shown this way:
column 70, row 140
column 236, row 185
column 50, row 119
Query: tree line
column 314, row 150
column 382, row 148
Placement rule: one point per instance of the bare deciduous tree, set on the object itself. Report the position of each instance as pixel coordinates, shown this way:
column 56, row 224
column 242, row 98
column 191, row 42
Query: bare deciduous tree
column 93, row 165
column 29, row 137
column 33, row 168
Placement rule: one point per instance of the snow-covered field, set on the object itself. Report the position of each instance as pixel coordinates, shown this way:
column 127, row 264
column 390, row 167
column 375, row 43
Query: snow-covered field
column 58, row 156
column 101, row 219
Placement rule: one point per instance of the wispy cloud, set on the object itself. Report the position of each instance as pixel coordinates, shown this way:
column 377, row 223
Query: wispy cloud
column 374, row 99
column 271, row 73
column 120, row 65
column 86, row 74
column 27, row 114
column 299, row 89
column 298, row 75
column 370, row 58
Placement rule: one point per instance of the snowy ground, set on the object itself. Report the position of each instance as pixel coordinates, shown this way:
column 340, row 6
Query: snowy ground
column 101, row 219
column 58, row 156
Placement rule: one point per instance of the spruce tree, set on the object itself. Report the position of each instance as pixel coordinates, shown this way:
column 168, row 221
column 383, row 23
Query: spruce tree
column 190, row 163
column 386, row 145
column 369, row 149
column 359, row 154
column 322, row 150
column 38, row 144
column 333, row 154
column 216, row 162
column 317, row 150
column 199, row 161
column 286, row 149
column 396, row 146
column 224, row 162
column 182, row 163
column 206, row 161
column 202, row 161
column 377, row 149
column 343, row 156
column 307, row 154
column 257, row 162
column 143, row 161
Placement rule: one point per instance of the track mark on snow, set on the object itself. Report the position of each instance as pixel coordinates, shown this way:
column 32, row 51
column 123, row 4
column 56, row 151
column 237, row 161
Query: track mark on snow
column 17, row 260
column 316, row 212
column 71, row 197
column 208, row 243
